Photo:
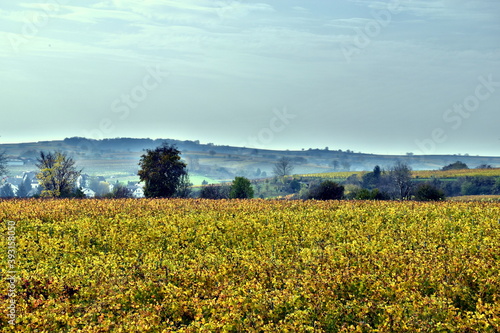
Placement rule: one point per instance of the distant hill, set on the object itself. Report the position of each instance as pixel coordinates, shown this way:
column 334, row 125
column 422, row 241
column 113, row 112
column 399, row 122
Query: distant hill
column 118, row 158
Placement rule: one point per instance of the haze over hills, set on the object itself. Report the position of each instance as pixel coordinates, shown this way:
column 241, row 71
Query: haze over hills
column 117, row 158
column 376, row 76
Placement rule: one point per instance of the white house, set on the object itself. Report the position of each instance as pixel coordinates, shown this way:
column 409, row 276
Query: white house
column 136, row 189
column 82, row 180
column 138, row 192
column 15, row 183
column 88, row 192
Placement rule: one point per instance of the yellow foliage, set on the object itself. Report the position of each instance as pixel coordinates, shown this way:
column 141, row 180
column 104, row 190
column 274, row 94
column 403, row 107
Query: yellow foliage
column 494, row 172
column 253, row 265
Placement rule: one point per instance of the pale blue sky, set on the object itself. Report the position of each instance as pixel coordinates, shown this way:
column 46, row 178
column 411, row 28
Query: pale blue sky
column 370, row 76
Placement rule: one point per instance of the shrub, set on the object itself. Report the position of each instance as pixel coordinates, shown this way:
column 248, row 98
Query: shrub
column 455, row 166
column 214, row 192
column 327, row 190
column 427, row 192
column 241, row 189
column 375, row 194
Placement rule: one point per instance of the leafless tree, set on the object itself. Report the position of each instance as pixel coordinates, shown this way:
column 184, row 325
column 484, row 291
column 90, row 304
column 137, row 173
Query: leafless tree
column 401, row 181
column 283, row 167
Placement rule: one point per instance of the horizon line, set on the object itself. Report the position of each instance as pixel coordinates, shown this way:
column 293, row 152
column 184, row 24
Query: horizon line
column 349, row 151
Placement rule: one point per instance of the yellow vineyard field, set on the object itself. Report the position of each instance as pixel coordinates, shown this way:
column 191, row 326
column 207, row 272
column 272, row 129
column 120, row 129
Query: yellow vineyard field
column 416, row 174
column 457, row 173
column 334, row 175
column 252, row 266
column 488, row 198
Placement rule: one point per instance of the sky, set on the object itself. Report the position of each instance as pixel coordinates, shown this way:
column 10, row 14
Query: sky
column 385, row 77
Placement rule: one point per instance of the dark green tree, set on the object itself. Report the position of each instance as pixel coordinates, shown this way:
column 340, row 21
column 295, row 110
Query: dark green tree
column 327, row 190
column 362, row 194
column 241, row 189
column 427, row 192
column 375, row 194
column 295, row 186
column 455, row 166
column 57, row 174
column 478, row 185
column 371, row 180
column 162, row 171
column 496, row 187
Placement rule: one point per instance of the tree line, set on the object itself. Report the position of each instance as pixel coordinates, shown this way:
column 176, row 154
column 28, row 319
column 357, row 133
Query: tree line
column 164, row 175
column 161, row 170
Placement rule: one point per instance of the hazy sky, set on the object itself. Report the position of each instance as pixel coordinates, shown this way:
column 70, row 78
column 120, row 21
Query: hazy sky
column 419, row 76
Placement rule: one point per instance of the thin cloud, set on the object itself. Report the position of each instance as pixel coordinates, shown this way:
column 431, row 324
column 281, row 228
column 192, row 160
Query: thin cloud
column 240, row 59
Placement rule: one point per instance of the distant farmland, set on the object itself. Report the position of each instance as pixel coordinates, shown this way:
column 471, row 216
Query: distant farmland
column 421, row 174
